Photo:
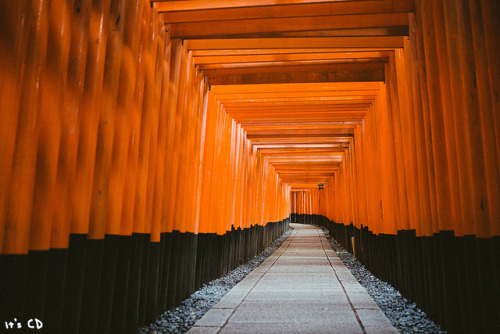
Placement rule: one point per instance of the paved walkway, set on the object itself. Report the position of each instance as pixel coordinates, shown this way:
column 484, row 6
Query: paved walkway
column 302, row 288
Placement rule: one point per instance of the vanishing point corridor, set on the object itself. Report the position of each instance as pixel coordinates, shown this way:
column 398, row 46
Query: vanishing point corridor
column 148, row 147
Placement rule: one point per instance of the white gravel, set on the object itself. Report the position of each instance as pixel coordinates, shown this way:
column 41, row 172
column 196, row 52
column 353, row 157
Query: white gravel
column 403, row 314
column 183, row 317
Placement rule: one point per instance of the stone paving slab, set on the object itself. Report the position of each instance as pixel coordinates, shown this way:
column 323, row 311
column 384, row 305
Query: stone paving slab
column 293, row 328
column 278, row 314
column 215, row 317
column 303, row 287
column 291, row 295
column 204, row 330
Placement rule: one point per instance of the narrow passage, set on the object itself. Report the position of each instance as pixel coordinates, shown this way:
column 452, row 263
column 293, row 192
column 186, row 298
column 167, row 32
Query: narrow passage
column 302, row 288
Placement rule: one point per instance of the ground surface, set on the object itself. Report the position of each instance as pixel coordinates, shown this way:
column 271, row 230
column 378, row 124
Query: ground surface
column 303, row 287
column 404, row 315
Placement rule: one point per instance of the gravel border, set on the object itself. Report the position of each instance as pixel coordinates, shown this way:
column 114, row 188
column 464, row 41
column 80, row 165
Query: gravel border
column 402, row 313
column 183, row 317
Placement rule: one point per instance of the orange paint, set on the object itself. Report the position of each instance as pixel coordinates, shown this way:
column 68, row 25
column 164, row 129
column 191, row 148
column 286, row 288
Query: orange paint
column 111, row 127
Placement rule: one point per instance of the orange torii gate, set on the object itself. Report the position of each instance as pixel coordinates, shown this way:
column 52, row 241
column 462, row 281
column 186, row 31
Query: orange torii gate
column 150, row 146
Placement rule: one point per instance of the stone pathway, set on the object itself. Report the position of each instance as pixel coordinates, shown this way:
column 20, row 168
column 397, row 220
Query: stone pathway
column 303, row 287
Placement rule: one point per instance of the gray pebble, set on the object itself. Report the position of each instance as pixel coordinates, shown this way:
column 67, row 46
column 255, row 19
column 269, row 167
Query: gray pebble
column 403, row 314
column 182, row 318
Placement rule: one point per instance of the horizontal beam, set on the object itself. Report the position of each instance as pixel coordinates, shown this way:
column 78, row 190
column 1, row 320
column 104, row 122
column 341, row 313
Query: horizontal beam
column 352, row 32
column 289, row 57
column 361, row 66
column 246, row 52
column 297, row 113
column 327, row 76
column 296, row 43
column 294, row 154
column 243, row 27
column 311, row 147
column 295, row 135
column 311, row 180
column 243, row 122
column 305, row 169
column 325, row 63
column 212, row 11
column 303, row 175
column 292, row 96
column 325, row 128
column 333, row 104
column 300, row 150
column 301, row 141
column 298, row 87
column 285, row 75
column 306, row 101
column 328, row 127
column 295, row 187
column 203, row 4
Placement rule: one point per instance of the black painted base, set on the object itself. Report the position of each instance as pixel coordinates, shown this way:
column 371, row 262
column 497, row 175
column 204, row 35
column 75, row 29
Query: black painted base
column 120, row 283
column 455, row 280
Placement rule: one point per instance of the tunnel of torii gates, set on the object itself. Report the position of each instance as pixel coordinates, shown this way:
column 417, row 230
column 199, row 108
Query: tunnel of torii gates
column 148, row 147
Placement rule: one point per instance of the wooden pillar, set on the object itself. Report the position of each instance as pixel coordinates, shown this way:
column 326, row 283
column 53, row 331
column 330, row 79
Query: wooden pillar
column 14, row 38
column 103, row 194
column 438, row 132
column 68, row 151
column 89, row 117
column 361, row 188
column 490, row 10
column 22, row 177
column 399, row 154
column 173, row 123
column 488, row 112
column 406, row 111
column 390, row 201
column 431, row 225
column 478, row 222
column 51, row 117
column 158, row 224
